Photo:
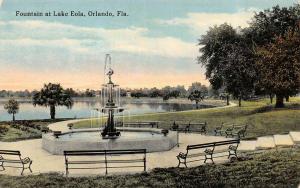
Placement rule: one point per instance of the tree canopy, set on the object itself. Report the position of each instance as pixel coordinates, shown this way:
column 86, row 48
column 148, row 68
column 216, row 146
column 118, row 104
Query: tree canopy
column 260, row 58
column 12, row 107
column 52, row 95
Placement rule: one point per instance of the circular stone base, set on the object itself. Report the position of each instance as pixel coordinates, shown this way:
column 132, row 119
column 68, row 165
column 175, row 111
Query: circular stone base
column 85, row 139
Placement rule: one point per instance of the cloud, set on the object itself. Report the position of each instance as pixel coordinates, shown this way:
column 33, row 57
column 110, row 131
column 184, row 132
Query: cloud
column 200, row 22
column 88, row 39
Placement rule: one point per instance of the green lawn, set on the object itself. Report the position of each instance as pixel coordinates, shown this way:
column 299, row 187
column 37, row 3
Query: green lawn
column 272, row 169
column 22, row 130
column 262, row 118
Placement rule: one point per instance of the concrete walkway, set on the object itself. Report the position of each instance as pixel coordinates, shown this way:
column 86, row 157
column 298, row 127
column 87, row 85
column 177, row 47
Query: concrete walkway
column 44, row 162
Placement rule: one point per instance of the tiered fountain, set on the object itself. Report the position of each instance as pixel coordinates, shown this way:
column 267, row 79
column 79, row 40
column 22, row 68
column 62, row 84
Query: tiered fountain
column 113, row 137
column 110, row 91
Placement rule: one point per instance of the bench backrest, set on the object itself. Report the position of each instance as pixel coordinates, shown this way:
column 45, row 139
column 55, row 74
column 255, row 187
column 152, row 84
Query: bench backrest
column 103, row 152
column 227, row 142
column 189, row 123
column 106, row 161
column 212, row 144
column 10, row 152
column 141, row 123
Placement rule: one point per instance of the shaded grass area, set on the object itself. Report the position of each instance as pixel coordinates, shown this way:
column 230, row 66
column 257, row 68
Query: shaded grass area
column 23, row 129
column 272, row 169
column 262, row 118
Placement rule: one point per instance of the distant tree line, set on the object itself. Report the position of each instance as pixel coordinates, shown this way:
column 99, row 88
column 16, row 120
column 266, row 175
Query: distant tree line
column 165, row 92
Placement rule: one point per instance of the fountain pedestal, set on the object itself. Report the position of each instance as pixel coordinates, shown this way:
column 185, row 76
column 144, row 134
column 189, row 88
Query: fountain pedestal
column 110, row 131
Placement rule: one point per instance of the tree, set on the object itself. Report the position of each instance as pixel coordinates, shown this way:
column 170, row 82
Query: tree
column 265, row 27
column 212, row 52
column 12, row 107
column 197, row 86
column 52, row 95
column 239, row 71
column 279, row 66
column 196, row 96
column 224, row 55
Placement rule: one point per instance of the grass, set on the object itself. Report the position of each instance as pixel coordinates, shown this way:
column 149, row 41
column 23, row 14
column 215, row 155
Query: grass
column 262, row 118
column 272, row 169
column 22, row 130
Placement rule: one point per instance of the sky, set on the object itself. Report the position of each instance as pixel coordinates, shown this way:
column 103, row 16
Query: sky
column 153, row 46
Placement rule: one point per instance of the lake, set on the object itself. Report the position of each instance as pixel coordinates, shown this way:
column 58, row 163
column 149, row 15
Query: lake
column 83, row 108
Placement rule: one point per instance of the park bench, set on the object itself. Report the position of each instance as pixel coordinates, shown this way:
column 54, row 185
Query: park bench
column 189, row 127
column 151, row 124
column 14, row 158
column 105, row 159
column 197, row 127
column 224, row 129
column 176, row 127
column 208, row 151
column 237, row 131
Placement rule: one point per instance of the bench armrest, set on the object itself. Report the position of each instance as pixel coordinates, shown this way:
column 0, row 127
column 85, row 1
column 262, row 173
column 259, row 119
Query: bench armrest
column 209, row 151
column 232, row 147
column 26, row 160
column 181, row 155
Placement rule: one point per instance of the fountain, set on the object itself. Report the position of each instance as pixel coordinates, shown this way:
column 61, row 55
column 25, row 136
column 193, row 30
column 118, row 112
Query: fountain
column 110, row 131
column 112, row 136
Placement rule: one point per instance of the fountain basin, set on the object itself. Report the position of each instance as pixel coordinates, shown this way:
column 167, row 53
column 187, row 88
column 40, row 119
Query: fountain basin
column 90, row 139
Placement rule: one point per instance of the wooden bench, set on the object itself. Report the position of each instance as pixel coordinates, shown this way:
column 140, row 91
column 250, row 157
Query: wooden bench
column 197, row 127
column 223, row 129
column 105, row 157
column 189, row 127
column 208, row 151
column 14, row 157
column 237, row 131
column 152, row 124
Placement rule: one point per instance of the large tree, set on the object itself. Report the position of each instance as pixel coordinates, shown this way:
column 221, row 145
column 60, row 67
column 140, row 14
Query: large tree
column 228, row 61
column 12, row 107
column 265, row 27
column 279, row 66
column 52, row 95
column 239, row 71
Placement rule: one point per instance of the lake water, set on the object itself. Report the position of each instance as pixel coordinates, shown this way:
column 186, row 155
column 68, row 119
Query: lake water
column 83, row 108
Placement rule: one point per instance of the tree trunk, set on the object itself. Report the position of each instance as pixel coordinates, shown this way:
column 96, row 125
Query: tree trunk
column 287, row 98
column 197, row 105
column 271, row 98
column 52, row 111
column 14, row 117
column 279, row 101
column 227, row 99
column 240, row 101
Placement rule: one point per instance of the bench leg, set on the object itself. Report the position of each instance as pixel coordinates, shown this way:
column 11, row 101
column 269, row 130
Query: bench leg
column 2, row 165
column 211, row 158
column 230, row 154
column 67, row 170
column 180, row 162
column 29, row 167
column 23, row 168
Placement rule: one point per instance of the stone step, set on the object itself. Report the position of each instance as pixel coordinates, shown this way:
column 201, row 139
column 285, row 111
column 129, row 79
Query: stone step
column 265, row 142
column 295, row 137
column 283, row 140
column 247, row 145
